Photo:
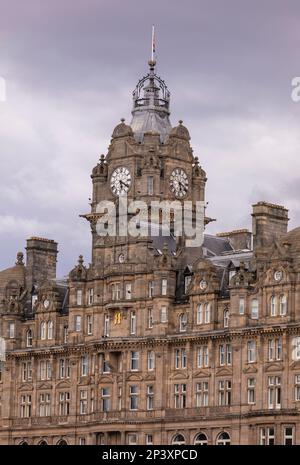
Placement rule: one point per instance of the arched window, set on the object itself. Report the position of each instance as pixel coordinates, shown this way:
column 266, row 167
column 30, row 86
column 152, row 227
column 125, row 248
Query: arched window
column 43, row 443
column 226, row 318
column 273, row 306
column 254, row 309
column 29, row 338
column 178, row 440
column 199, row 314
column 283, row 305
column 62, row 442
column 182, row 322
column 23, row 443
column 50, row 329
column 207, row 313
column 200, row 440
column 43, row 330
column 223, row 439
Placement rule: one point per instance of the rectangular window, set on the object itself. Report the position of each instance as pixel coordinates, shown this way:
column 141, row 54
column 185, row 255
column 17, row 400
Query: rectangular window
column 106, row 326
column 202, row 357
column 225, row 392
column 79, row 297
column 89, row 324
column 150, row 397
column 64, row 368
column 84, row 365
column 150, row 289
column 288, row 435
column 134, row 361
column 150, row 318
column 150, row 184
column 297, row 387
column 275, row 349
column 254, row 309
column 199, row 314
column 44, row 405
column 180, row 395
column 207, row 313
column 163, row 315
column 149, row 439
column 45, row 370
column 116, row 291
column 150, row 360
column 11, row 330
column 77, row 323
column 251, row 391
column 105, row 399
column 66, row 330
column 251, row 351
column 83, row 410
column 25, row 405
column 274, row 392
column 267, row 436
column 132, row 322
column 133, row 397
column 202, row 394
column 64, row 403
column 91, row 296
column 164, row 286
column 180, row 358
column 82, row 441
column 132, row 439
column 187, row 281
column 26, row 371
column 242, row 306
column 128, row 294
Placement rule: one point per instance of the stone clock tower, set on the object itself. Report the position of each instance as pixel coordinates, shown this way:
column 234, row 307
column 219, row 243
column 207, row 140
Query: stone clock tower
column 148, row 160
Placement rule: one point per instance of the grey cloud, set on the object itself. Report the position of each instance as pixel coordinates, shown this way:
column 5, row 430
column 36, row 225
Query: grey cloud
column 70, row 69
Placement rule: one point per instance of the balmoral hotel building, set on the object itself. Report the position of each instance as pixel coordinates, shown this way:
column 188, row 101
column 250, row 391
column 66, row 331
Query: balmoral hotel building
column 154, row 342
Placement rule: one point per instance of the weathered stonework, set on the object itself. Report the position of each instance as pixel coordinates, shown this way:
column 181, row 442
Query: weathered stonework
column 153, row 342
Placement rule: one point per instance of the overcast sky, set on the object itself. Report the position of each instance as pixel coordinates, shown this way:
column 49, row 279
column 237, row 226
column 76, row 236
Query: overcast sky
column 70, row 67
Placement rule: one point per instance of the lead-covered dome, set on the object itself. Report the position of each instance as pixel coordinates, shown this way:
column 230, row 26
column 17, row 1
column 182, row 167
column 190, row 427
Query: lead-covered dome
column 151, row 102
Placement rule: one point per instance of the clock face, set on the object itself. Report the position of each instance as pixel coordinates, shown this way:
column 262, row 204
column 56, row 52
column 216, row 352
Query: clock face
column 179, row 183
column 278, row 275
column 121, row 258
column 203, row 284
column 120, row 181
column 46, row 303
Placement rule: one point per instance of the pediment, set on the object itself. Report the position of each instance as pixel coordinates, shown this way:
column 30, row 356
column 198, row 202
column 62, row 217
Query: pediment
column 274, row 367
column 26, row 387
column 179, row 375
column 224, row 372
column 63, row 384
column 44, row 386
column 106, row 379
column 149, row 376
column 295, row 365
column 202, row 374
column 134, row 377
column 250, row 369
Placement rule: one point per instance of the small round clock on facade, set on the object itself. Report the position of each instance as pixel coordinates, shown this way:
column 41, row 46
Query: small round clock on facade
column 120, row 181
column 121, row 258
column 46, row 303
column 179, row 183
column 278, row 275
column 203, row 284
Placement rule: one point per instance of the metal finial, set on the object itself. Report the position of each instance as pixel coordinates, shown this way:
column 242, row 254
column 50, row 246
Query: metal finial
column 122, row 120
column 180, row 121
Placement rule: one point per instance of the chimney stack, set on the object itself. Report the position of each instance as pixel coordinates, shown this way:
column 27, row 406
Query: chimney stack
column 269, row 222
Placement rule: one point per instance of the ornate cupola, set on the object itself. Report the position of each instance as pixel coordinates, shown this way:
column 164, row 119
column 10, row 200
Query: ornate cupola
column 151, row 102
